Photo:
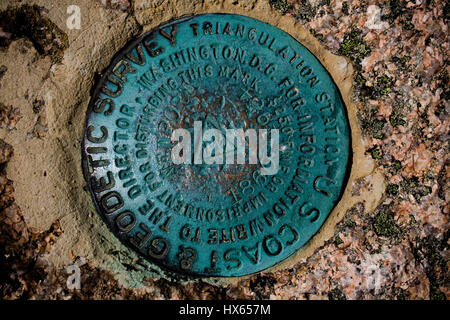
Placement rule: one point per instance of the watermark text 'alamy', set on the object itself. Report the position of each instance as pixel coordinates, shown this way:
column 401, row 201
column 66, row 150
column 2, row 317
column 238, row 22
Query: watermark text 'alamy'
column 209, row 147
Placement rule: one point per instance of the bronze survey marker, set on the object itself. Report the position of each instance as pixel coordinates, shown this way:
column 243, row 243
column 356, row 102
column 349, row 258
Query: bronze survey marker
column 224, row 71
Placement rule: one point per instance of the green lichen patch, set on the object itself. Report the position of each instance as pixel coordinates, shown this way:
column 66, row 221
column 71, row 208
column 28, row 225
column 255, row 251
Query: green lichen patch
column 354, row 47
column 371, row 123
column 348, row 222
column 345, row 8
column 392, row 293
column 28, row 21
column 337, row 240
column 407, row 24
column 336, row 294
column 384, row 85
column 436, row 293
column 280, row 5
column 377, row 128
column 375, row 153
column 384, row 224
column 305, row 10
column 431, row 249
column 429, row 252
column 392, row 189
column 399, row 293
column 324, row 2
column 359, row 80
column 361, row 88
column 402, row 62
column 396, row 165
column 396, row 119
column 398, row 9
column 318, row 36
column 414, row 187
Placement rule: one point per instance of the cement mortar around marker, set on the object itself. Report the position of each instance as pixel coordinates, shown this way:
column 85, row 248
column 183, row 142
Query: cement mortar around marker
column 46, row 171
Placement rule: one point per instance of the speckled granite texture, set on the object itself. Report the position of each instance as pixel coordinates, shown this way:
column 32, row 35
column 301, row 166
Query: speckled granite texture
column 399, row 251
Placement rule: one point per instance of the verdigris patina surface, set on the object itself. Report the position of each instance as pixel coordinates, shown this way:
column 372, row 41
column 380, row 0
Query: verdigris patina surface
column 221, row 71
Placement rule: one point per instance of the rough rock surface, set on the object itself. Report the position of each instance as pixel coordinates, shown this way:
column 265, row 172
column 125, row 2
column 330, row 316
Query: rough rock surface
column 400, row 250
